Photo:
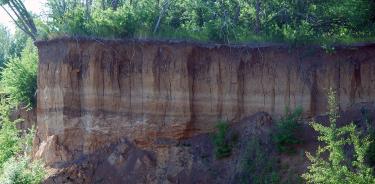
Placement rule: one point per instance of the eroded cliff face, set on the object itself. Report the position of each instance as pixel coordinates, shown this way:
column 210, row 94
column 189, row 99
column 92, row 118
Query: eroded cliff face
column 93, row 93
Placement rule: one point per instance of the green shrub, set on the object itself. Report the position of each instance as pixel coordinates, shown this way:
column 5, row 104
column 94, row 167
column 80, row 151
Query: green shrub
column 9, row 135
column 18, row 83
column 19, row 77
column 259, row 166
column 286, row 130
column 338, row 167
column 9, row 141
column 5, row 40
column 370, row 153
column 111, row 23
column 21, row 170
column 17, row 44
column 73, row 22
column 223, row 147
column 325, row 22
column 15, row 165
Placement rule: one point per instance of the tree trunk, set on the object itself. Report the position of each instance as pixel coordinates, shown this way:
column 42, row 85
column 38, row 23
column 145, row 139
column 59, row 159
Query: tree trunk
column 115, row 4
column 163, row 10
column 257, row 16
column 237, row 13
column 88, row 4
column 103, row 4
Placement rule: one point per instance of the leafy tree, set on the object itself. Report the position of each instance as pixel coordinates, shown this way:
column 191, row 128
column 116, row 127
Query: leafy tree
column 17, row 44
column 19, row 77
column 294, row 21
column 5, row 44
column 9, row 137
column 338, row 168
column 110, row 23
column 11, row 45
column 15, row 164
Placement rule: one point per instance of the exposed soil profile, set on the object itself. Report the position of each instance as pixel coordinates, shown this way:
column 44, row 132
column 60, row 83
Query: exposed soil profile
column 135, row 102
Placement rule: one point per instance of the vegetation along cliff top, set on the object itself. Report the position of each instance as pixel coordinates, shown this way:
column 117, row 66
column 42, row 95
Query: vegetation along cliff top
column 224, row 21
column 197, row 43
column 82, row 113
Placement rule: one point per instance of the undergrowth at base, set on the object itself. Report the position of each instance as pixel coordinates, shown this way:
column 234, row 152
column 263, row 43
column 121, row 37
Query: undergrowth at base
column 16, row 165
column 223, row 141
column 259, row 165
column 286, row 131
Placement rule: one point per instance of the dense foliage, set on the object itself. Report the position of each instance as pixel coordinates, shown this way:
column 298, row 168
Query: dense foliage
column 15, row 164
column 223, row 145
column 370, row 154
column 225, row 21
column 326, row 21
column 370, row 131
column 9, row 139
column 5, row 44
column 19, row 60
column 17, row 44
column 286, row 131
column 339, row 167
column 22, row 170
column 259, row 165
column 18, row 78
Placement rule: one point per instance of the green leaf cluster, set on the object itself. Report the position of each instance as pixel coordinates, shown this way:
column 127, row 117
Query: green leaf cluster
column 287, row 127
column 259, row 165
column 22, row 170
column 19, row 77
column 339, row 167
column 223, row 146
column 227, row 21
column 5, row 44
column 15, row 163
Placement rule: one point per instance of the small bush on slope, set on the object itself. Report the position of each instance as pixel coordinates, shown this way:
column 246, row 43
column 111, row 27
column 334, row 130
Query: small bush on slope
column 15, row 164
column 22, row 170
column 285, row 136
column 370, row 154
column 223, row 147
column 19, row 77
column 9, row 135
column 338, row 168
column 370, row 129
column 259, row 165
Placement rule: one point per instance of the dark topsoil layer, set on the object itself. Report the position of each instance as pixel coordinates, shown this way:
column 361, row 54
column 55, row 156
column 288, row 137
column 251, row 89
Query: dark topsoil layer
column 193, row 43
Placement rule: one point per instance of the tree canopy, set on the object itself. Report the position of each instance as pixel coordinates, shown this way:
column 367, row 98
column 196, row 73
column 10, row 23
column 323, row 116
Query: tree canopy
column 227, row 21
